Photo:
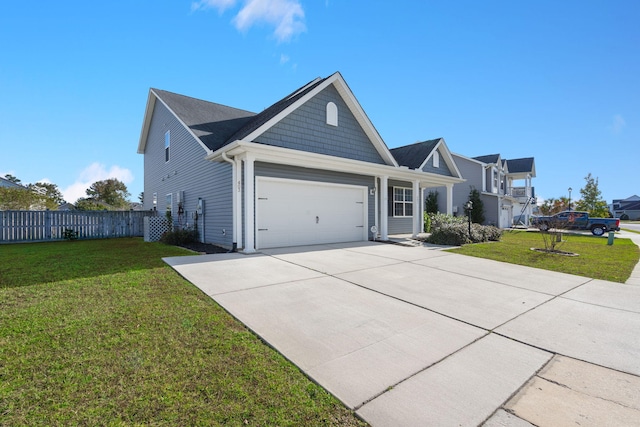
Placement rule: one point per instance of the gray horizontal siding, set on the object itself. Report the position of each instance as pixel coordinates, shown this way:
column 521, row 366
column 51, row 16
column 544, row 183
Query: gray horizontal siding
column 305, row 174
column 398, row 225
column 189, row 172
column 306, row 129
column 442, row 169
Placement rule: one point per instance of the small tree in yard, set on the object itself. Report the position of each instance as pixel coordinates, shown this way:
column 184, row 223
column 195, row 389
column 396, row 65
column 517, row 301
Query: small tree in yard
column 592, row 201
column 431, row 203
column 477, row 213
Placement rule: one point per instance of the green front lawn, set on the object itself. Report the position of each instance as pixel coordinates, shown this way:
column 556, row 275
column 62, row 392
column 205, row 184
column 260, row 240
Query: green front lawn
column 102, row 332
column 596, row 259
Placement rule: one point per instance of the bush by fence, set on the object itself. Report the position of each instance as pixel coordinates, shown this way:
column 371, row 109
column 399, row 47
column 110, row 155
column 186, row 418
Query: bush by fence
column 38, row 226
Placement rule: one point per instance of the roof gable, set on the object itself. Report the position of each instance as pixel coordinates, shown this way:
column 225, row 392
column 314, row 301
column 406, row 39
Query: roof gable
column 416, row 156
column 306, row 129
column 210, row 123
column 274, row 114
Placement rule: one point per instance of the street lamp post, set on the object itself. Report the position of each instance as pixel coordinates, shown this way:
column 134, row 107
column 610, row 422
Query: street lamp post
column 570, row 190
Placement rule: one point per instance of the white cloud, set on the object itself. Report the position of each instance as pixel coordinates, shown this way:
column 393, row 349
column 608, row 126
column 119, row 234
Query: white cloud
column 286, row 16
column 284, row 58
column 221, row 5
column 92, row 173
column 618, row 124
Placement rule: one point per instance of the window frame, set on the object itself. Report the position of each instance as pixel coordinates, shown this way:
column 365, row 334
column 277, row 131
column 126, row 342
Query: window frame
column 436, row 159
column 407, row 205
column 332, row 114
column 169, row 203
column 167, row 146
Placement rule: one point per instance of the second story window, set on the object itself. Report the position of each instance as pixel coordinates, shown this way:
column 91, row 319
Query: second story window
column 167, row 144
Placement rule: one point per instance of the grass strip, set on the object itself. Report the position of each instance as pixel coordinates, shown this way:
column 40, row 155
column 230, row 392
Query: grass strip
column 596, row 259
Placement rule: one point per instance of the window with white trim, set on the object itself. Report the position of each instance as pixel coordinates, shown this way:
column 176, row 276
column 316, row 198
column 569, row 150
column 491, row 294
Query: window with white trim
column 169, row 207
column 436, row 160
column 402, row 202
column 332, row 114
column 167, row 143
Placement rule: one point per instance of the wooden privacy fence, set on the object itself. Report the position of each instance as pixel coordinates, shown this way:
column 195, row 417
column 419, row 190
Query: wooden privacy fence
column 39, row 226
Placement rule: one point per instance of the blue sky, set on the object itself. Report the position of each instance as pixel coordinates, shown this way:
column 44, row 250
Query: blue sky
column 556, row 80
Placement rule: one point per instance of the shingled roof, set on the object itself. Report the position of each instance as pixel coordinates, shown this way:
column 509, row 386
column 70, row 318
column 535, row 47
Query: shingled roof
column 491, row 158
column 212, row 123
column 520, row 165
column 217, row 125
column 414, row 155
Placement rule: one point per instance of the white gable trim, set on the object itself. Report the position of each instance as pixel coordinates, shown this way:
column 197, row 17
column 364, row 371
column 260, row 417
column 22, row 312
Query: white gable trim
column 146, row 124
column 354, row 106
column 445, row 155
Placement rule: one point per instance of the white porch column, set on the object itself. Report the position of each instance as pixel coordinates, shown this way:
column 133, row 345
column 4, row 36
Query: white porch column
column 237, row 200
column 384, row 207
column 449, row 199
column 416, row 208
column 249, row 199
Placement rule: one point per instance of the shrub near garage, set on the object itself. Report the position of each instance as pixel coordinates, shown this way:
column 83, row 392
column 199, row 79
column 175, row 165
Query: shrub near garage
column 454, row 231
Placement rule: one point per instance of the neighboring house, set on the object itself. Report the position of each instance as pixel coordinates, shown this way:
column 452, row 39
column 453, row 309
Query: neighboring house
column 431, row 156
column 505, row 202
column 66, row 206
column 309, row 169
column 628, row 208
column 6, row 183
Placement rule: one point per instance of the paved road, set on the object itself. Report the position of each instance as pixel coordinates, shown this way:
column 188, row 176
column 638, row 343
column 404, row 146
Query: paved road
column 630, row 226
column 418, row 336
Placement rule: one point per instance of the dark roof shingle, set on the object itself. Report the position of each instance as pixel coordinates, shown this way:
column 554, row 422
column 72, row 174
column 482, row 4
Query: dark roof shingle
column 212, row 123
column 414, row 155
column 520, row 165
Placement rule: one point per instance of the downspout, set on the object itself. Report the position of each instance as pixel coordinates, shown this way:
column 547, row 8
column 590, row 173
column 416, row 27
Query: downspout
column 375, row 203
column 234, row 198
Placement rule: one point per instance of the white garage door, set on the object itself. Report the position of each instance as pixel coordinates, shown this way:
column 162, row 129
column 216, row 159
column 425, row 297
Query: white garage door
column 294, row 213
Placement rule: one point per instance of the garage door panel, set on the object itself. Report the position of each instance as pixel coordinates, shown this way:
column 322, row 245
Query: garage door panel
column 291, row 213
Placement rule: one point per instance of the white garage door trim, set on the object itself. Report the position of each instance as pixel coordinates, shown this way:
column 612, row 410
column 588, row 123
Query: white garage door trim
column 344, row 224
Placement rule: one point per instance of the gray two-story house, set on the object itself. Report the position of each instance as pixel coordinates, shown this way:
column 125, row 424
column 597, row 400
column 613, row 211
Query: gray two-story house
column 309, row 169
column 505, row 188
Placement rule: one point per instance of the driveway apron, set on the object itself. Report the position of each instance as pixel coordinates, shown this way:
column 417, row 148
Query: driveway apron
column 418, row 336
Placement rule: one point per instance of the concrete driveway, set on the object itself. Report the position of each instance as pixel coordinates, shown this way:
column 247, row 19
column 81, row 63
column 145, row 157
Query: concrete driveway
column 418, row 336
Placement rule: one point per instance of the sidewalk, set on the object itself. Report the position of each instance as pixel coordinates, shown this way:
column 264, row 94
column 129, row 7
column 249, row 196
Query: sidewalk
column 635, row 274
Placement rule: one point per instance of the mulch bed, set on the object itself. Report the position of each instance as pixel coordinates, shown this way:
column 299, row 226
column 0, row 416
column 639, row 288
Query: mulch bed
column 205, row 248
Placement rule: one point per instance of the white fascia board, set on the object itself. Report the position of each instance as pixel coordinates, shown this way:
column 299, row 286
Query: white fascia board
column 279, row 155
column 351, row 102
column 147, row 123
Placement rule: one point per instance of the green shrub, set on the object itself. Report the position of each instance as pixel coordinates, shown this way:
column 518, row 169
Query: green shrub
column 450, row 230
column 440, row 220
column 179, row 236
column 427, row 223
column 70, row 234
